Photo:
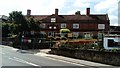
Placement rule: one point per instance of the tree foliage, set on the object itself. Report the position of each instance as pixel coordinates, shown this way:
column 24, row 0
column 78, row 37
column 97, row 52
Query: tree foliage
column 16, row 17
column 64, row 30
column 5, row 29
column 21, row 23
column 33, row 24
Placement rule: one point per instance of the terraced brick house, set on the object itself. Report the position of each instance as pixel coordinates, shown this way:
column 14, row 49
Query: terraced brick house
column 79, row 25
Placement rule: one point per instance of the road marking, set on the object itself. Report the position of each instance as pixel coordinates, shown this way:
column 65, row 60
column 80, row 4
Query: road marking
column 15, row 49
column 50, row 57
column 41, row 54
column 23, row 61
column 65, row 61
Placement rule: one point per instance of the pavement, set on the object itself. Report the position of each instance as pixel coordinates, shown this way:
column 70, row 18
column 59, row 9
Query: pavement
column 45, row 52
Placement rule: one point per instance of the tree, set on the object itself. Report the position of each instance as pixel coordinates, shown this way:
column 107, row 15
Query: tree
column 13, row 28
column 23, row 23
column 5, row 29
column 17, row 18
column 33, row 24
column 64, row 32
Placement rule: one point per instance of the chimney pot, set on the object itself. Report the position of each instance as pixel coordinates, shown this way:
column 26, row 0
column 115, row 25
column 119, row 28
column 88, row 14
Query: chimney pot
column 28, row 12
column 88, row 11
column 77, row 13
column 56, row 11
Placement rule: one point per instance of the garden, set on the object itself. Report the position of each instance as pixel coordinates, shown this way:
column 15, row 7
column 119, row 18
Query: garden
column 87, row 49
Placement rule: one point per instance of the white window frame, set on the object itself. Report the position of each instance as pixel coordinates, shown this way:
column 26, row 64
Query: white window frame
column 101, row 26
column 63, row 25
column 53, row 19
column 74, row 26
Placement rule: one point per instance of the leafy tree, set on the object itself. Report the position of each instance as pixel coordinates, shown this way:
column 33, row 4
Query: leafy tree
column 64, row 32
column 13, row 28
column 5, row 29
column 22, row 23
column 16, row 17
column 33, row 24
column 19, row 20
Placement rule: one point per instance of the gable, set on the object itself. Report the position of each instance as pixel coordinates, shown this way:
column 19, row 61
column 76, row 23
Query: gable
column 59, row 18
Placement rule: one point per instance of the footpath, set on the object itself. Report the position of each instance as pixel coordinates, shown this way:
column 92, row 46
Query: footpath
column 45, row 52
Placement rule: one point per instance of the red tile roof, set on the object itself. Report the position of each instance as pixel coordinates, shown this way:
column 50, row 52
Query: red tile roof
column 76, row 17
column 39, row 17
column 85, row 17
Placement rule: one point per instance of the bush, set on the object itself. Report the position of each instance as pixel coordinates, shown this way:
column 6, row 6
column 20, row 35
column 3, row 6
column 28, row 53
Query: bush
column 63, row 38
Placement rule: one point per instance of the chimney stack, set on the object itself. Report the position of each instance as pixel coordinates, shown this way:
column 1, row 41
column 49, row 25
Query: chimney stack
column 56, row 11
column 88, row 11
column 77, row 13
column 28, row 12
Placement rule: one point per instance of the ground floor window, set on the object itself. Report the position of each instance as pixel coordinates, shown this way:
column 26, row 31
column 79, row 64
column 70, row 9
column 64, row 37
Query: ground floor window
column 51, row 33
column 100, row 35
column 75, row 34
column 87, row 35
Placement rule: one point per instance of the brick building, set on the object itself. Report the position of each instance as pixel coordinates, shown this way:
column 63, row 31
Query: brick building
column 78, row 24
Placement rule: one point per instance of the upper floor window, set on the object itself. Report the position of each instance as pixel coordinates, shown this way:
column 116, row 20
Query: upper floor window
column 53, row 19
column 54, row 27
column 101, row 26
column 75, row 26
column 50, row 27
column 63, row 25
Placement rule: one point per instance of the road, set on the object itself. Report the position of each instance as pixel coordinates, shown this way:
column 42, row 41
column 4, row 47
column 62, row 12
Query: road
column 21, row 59
column 14, row 58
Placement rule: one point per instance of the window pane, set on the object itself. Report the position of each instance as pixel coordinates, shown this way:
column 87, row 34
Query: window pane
column 76, row 26
column 53, row 19
column 42, row 25
column 75, row 34
column 63, row 25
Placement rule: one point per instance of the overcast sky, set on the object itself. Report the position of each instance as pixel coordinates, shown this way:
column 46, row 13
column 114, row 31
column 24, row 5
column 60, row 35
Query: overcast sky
column 46, row 7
